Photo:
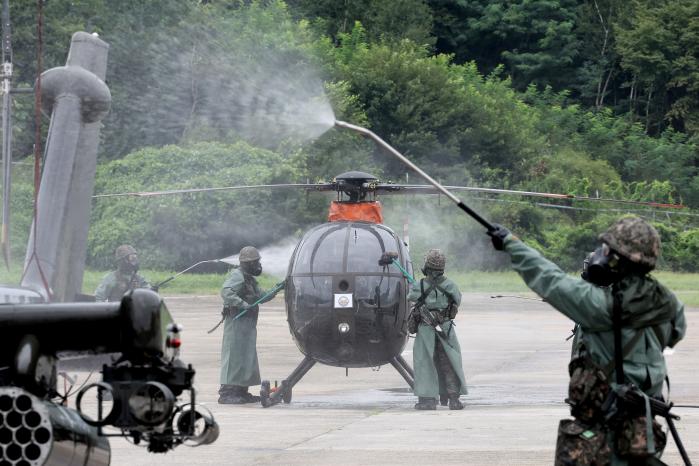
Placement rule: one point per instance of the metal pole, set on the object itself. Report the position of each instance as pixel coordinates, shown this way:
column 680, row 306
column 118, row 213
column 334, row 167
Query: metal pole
column 425, row 176
column 678, row 441
column 6, row 128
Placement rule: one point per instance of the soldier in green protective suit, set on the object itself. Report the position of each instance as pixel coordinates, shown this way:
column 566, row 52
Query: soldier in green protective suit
column 617, row 290
column 436, row 352
column 125, row 278
column 239, row 367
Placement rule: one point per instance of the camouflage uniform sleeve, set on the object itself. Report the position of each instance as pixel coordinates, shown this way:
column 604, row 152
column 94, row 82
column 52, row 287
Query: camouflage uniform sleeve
column 104, row 288
column 679, row 326
column 587, row 304
column 230, row 292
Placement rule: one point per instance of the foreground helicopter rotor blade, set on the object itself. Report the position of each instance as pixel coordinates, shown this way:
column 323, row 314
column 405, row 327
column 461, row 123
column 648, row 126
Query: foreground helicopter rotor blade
column 341, row 124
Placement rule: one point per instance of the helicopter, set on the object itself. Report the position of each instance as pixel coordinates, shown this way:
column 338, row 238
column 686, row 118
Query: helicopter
column 346, row 305
column 46, row 322
column 347, row 281
column 343, row 307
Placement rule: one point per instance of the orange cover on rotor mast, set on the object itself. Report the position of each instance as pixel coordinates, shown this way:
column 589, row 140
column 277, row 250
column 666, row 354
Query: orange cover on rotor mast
column 364, row 211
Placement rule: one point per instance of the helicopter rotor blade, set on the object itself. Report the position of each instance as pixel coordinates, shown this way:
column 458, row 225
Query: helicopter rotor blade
column 310, row 186
column 427, row 189
column 394, row 189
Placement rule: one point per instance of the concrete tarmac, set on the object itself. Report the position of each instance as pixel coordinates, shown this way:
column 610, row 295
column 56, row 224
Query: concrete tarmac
column 515, row 360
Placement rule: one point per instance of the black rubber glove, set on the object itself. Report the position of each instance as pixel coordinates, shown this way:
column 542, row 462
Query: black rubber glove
column 498, row 235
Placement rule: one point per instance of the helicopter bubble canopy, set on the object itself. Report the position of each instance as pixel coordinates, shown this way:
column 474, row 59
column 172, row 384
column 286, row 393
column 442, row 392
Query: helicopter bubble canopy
column 343, row 308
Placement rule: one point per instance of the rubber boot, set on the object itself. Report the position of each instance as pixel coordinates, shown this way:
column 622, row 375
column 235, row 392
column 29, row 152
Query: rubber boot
column 455, row 403
column 426, row 404
column 249, row 397
column 232, row 395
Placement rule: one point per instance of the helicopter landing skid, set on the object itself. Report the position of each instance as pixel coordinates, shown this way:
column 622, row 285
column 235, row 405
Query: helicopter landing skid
column 270, row 397
column 404, row 369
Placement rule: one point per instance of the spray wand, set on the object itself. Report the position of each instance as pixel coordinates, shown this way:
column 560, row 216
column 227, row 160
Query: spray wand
column 157, row 286
column 388, row 258
column 264, row 298
column 341, row 124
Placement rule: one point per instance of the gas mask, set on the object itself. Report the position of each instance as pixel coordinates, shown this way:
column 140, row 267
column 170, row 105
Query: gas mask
column 253, row 268
column 129, row 264
column 431, row 273
column 602, row 266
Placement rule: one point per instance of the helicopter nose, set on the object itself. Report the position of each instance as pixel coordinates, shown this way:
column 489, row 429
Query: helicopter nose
column 345, row 352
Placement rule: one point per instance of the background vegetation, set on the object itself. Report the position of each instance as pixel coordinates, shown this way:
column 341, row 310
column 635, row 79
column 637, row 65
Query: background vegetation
column 594, row 98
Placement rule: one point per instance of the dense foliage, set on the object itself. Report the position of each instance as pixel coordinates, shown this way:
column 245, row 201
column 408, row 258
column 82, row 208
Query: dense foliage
column 196, row 226
column 593, row 98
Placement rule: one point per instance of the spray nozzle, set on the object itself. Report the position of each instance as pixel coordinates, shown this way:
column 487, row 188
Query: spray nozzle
column 387, row 258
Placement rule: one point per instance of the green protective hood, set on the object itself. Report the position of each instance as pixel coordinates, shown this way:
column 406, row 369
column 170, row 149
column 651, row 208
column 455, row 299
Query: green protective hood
column 645, row 302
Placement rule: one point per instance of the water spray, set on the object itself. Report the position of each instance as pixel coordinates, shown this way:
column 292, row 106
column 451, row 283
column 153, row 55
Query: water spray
column 157, row 286
column 365, row 132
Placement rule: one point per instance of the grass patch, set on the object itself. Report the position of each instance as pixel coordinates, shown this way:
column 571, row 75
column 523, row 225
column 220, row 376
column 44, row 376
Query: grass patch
column 188, row 283
column 685, row 285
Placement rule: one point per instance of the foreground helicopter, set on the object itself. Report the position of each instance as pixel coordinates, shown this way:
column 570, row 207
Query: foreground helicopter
column 46, row 322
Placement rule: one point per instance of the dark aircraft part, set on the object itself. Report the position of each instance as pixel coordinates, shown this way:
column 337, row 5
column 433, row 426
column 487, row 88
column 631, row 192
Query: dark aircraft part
column 32, row 336
column 425, row 176
column 197, row 424
column 404, row 370
column 343, row 308
column 387, row 258
column 144, row 383
column 77, row 98
column 37, row 432
column 319, row 242
column 134, row 326
column 269, row 397
column 355, row 178
column 355, row 185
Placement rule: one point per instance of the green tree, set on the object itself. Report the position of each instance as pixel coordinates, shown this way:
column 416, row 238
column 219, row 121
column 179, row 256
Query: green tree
column 129, row 26
column 660, row 49
column 599, row 71
column 535, row 39
column 434, row 110
column 177, row 230
column 391, row 21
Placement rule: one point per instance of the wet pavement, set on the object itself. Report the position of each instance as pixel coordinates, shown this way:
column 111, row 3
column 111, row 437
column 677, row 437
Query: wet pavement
column 515, row 360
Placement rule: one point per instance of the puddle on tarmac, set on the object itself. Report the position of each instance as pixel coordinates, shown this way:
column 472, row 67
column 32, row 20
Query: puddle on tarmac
column 403, row 398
